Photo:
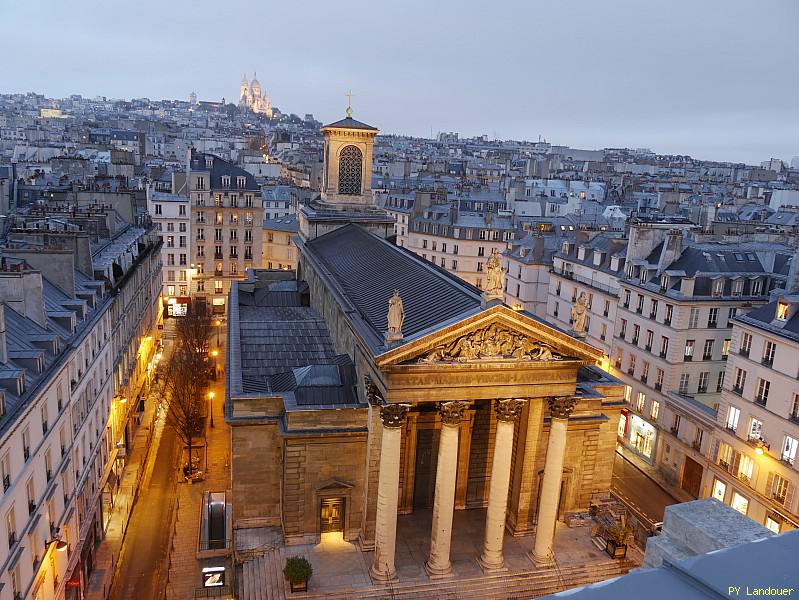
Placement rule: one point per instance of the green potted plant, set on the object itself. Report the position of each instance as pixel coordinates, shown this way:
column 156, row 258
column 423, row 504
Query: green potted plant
column 617, row 538
column 298, row 571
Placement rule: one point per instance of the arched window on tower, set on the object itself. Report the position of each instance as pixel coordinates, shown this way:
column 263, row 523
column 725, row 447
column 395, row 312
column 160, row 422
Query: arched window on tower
column 350, row 171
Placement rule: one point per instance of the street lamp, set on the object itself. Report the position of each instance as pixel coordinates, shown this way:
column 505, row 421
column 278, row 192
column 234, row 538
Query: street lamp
column 211, row 406
column 218, row 324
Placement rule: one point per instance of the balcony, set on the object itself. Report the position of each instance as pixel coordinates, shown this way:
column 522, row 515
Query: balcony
column 712, row 324
column 644, row 378
column 707, row 357
column 688, row 357
column 737, row 390
column 761, row 400
column 731, row 428
column 659, row 387
column 674, row 431
column 218, row 256
column 724, row 465
column 696, row 446
column 794, row 417
column 640, row 310
column 667, row 321
column 648, row 347
column 744, row 352
column 662, row 354
column 767, row 362
column 653, row 315
column 621, row 335
column 31, row 508
column 701, row 389
column 604, row 313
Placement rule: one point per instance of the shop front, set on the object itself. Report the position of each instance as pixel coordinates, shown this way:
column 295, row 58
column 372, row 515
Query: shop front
column 637, row 434
column 177, row 306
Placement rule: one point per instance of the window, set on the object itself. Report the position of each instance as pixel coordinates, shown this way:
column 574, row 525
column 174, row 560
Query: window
column 772, row 524
column 350, row 171
column 636, row 333
column 218, row 286
column 659, row 379
column 26, row 444
column 694, row 319
column 719, row 490
column 675, row 425
column 763, row 387
column 653, row 310
column 789, row 447
column 170, row 227
column 182, row 213
column 641, row 403
column 628, row 394
column 739, row 503
column 454, row 264
column 779, row 487
column 689, row 350
column 11, row 527
column 738, row 287
column 684, row 377
column 669, row 314
column 725, row 349
column 718, row 287
column 158, row 209
column 648, row 339
column 733, row 414
column 731, row 312
column 645, row 371
column 654, row 410
column 5, row 471
column 720, row 381
column 740, row 381
column 795, row 407
column 640, row 307
column 713, row 317
column 623, row 330
column 745, row 468
column 703, row 378
column 479, row 267
column 707, row 352
column 768, row 353
column 664, row 346
column 757, row 287
column 782, row 311
column 755, row 429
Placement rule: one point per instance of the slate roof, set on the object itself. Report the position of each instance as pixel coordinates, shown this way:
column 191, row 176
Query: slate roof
column 349, row 123
column 366, row 270
column 763, row 317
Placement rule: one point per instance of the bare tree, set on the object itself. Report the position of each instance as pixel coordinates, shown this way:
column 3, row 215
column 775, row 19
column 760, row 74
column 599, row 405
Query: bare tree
column 194, row 332
column 185, row 385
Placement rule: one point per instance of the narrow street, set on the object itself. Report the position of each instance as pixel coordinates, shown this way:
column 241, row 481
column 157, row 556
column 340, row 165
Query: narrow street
column 141, row 574
column 640, row 490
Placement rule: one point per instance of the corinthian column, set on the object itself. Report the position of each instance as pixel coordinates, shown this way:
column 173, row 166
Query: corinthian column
column 393, row 418
column 492, row 558
column 549, row 497
column 438, row 565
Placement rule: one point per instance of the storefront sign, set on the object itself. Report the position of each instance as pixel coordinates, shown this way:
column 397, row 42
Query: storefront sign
column 213, row 576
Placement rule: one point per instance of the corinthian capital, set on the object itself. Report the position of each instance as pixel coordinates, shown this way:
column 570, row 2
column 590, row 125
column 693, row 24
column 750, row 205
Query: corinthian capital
column 393, row 415
column 508, row 410
column 562, row 407
column 452, row 412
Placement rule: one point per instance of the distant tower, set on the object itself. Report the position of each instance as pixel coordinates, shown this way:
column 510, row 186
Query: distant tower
column 244, row 92
column 255, row 88
column 193, row 98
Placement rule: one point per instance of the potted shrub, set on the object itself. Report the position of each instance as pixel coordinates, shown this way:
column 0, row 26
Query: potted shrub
column 298, row 571
column 618, row 536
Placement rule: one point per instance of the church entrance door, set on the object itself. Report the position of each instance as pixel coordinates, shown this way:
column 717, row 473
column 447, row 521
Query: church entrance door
column 332, row 515
column 425, row 471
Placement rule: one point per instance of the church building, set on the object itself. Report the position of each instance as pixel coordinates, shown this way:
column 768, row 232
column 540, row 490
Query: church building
column 371, row 383
column 252, row 97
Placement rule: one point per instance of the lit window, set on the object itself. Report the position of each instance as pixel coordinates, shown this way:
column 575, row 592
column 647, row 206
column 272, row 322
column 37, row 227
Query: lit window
column 739, row 503
column 719, row 490
column 782, row 311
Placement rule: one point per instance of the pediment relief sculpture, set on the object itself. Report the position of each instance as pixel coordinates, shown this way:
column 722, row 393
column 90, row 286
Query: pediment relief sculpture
column 492, row 342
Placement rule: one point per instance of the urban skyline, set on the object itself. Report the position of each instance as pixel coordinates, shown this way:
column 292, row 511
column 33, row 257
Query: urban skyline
column 661, row 80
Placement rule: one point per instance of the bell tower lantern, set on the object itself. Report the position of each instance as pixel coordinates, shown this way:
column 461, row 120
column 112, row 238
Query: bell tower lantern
column 347, row 169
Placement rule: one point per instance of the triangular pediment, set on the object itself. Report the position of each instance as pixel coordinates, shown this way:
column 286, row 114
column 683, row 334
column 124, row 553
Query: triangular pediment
column 498, row 334
column 331, row 485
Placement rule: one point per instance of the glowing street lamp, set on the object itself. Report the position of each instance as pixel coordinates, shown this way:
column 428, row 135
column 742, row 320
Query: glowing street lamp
column 211, row 395
column 218, row 325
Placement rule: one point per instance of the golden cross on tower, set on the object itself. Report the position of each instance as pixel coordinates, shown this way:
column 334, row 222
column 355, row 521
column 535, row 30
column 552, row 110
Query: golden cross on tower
column 349, row 96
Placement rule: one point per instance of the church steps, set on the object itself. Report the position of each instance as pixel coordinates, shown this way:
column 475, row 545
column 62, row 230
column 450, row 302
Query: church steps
column 500, row 586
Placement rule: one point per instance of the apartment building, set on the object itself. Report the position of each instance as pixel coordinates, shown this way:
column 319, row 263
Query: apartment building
column 78, row 334
column 227, row 220
column 753, row 455
column 591, row 264
column 279, row 252
column 459, row 241
column 171, row 216
column 673, row 335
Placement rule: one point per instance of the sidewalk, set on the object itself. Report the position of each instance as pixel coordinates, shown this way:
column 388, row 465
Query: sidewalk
column 652, row 473
column 185, row 569
column 107, row 556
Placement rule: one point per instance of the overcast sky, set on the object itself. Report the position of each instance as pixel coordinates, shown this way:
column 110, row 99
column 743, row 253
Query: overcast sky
column 714, row 79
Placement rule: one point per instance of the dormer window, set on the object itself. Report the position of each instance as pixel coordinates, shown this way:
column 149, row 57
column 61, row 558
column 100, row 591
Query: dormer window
column 226, row 181
column 718, row 287
column 597, row 258
column 241, row 182
column 737, row 287
column 209, row 162
column 581, row 253
column 565, row 248
column 630, row 271
column 782, row 311
column 644, row 274
column 757, row 287
column 614, row 263
column 664, row 282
